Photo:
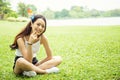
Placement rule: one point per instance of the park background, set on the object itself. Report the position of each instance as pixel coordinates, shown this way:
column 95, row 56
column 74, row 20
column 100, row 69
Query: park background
column 86, row 37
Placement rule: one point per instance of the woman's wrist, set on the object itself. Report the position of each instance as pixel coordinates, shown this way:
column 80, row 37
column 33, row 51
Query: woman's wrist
column 29, row 43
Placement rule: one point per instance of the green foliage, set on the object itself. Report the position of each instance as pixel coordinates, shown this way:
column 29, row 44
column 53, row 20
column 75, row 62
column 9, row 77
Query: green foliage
column 62, row 14
column 49, row 14
column 4, row 6
column 74, row 12
column 115, row 12
column 22, row 9
column 94, row 13
column 88, row 52
column 4, row 9
column 79, row 12
column 11, row 14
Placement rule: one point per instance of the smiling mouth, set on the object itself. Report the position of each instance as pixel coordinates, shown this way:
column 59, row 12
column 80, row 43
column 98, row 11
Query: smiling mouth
column 39, row 32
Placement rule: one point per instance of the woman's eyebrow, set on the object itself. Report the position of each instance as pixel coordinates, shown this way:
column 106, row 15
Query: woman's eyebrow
column 41, row 23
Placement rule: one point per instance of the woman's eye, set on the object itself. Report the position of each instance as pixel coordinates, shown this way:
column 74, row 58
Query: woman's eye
column 38, row 24
column 43, row 26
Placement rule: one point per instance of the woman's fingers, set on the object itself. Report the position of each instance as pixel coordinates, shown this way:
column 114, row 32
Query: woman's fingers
column 33, row 37
column 34, row 33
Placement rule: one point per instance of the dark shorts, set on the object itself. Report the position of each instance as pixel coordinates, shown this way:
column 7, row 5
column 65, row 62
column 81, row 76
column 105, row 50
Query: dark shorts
column 34, row 61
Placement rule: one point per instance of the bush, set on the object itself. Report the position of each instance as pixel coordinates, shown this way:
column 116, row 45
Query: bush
column 12, row 19
column 21, row 19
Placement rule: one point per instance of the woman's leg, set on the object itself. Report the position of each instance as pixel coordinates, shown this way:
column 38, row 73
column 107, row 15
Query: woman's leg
column 23, row 65
column 56, row 60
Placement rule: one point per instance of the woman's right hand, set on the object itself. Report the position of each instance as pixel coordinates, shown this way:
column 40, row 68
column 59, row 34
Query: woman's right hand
column 33, row 37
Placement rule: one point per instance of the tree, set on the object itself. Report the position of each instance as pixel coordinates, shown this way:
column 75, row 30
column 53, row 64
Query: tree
column 26, row 10
column 22, row 9
column 115, row 12
column 63, row 14
column 4, row 8
column 78, row 12
column 95, row 13
column 49, row 14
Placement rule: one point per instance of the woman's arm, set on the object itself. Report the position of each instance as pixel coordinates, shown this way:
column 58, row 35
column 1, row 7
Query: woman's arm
column 48, row 51
column 26, row 52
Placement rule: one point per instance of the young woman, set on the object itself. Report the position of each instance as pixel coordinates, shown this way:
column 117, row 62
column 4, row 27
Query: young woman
column 27, row 44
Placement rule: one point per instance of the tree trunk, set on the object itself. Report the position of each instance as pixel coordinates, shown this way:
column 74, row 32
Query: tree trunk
column 1, row 16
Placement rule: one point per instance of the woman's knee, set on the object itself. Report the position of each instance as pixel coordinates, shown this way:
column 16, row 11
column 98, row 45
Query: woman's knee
column 58, row 59
column 20, row 61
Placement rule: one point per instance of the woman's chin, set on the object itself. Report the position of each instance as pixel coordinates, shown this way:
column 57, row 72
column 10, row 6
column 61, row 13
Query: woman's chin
column 38, row 33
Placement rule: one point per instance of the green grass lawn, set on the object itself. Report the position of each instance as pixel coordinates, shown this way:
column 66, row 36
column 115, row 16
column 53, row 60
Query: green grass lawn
column 88, row 52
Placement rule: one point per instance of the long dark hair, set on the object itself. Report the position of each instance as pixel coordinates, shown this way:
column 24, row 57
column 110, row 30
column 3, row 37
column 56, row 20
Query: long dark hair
column 27, row 30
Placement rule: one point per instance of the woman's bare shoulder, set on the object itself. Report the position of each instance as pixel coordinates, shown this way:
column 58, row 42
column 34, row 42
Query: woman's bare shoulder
column 20, row 40
column 43, row 38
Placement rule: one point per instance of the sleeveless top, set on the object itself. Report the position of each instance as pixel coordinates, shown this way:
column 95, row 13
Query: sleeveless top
column 35, row 48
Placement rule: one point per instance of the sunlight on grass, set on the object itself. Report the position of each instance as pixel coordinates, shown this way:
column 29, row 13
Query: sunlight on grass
column 89, row 53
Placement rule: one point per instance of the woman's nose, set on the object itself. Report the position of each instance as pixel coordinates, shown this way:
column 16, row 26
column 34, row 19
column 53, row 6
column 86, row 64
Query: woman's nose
column 40, row 27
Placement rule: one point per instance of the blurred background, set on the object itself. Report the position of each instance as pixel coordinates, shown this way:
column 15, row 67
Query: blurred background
column 85, row 33
column 63, row 12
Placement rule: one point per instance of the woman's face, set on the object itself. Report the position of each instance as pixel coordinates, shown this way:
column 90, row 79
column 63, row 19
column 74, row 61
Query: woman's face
column 38, row 26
